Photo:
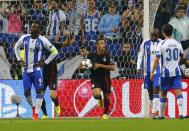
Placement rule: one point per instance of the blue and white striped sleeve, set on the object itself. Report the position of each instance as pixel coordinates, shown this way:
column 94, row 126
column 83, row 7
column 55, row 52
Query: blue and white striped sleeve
column 17, row 47
column 158, row 50
column 140, row 55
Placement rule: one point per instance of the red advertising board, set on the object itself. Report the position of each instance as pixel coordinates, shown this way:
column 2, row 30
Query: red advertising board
column 127, row 99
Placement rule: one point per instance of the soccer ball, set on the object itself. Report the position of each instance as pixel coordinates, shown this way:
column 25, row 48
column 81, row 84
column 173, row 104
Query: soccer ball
column 87, row 63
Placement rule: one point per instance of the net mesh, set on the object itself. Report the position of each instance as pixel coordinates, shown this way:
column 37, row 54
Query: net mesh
column 75, row 19
column 154, row 5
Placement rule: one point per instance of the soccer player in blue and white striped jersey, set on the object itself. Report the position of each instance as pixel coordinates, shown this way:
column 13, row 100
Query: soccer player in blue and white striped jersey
column 146, row 57
column 57, row 19
column 34, row 46
column 169, row 53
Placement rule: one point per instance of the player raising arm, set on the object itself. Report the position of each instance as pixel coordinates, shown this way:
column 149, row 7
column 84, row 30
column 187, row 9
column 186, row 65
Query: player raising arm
column 169, row 52
column 34, row 45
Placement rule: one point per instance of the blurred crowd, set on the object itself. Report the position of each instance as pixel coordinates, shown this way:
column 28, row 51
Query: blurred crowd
column 120, row 22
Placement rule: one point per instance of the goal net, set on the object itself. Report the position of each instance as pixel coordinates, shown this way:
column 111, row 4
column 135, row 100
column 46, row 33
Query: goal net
column 84, row 21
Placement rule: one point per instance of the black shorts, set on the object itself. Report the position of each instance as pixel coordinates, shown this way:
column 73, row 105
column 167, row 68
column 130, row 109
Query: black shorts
column 50, row 76
column 103, row 84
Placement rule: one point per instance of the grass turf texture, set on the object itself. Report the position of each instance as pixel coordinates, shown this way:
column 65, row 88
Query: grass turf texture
column 94, row 125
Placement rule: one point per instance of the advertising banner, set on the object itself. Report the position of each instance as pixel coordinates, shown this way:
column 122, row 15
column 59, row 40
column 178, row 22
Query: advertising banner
column 127, row 99
column 9, row 88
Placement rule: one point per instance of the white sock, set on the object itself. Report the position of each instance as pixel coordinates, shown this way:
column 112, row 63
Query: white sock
column 155, row 105
column 162, row 107
column 151, row 105
column 180, row 104
column 38, row 105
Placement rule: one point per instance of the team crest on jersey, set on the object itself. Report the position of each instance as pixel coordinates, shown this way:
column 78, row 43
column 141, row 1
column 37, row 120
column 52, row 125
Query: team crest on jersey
column 37, row 46
column 104, row 59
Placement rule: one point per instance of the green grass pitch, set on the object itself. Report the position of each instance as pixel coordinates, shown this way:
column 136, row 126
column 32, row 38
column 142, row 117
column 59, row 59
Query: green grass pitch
column 94, row 125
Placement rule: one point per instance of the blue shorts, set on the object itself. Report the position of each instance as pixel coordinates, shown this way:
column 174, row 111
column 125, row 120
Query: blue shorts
column 35, row 78
column 151, row 84
column 171, row 83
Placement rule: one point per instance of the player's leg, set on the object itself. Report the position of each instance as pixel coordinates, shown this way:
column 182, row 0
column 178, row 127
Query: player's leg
column 38, row 84
column 156, row 99
column 27, row 83
column 53, row 86
column 156, row 85
column 54, row 97
column 165, row 84
column 55, row 101
column 46, row 81
column 43, row 106
column 150, row 93
column 163, row 99
column 148, row 84
column 96, row 91
column 106, row 104
column 39, row 100
column 178, row 85
column 179, row 102
column 106, row 88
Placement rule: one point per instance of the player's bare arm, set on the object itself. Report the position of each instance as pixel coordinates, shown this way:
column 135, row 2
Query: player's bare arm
column 22, row 63
column 69, row 40
column 106, row 67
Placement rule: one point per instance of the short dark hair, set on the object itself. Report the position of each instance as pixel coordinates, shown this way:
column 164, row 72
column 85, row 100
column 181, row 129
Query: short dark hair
column 84, row 47
column 181, row 7
column 99, row 39
column 38, row 23
column 167, row 29
column 112, row 4
column 55, row 1
column 154, row 32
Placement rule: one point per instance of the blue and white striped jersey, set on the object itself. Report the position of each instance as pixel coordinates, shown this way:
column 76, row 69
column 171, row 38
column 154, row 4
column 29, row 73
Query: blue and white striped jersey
column 91, row 25
column 169, row 52
column 147, row 55
column 55, row 18
column 33, row 51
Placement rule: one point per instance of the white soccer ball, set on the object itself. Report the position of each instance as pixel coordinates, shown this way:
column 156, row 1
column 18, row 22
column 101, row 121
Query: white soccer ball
column 87, row 63
column 186, row 72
